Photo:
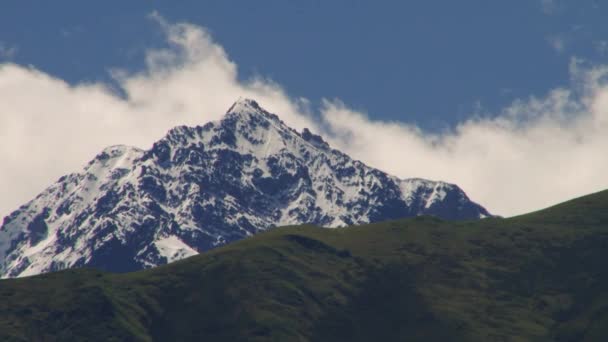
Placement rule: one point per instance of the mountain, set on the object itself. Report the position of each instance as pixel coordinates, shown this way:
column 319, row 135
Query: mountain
column 537, row 277
column 205, row 186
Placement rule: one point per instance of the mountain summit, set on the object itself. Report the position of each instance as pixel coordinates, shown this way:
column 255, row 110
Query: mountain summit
column 205, row 186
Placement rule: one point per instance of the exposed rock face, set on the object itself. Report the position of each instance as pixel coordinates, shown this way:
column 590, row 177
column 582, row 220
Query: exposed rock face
column 205, row 186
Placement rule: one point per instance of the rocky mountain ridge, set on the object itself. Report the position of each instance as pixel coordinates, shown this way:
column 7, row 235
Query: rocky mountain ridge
column 205, row 186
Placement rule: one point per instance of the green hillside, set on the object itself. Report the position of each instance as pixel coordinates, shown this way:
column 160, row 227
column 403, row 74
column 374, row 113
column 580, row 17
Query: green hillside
column 536, row 277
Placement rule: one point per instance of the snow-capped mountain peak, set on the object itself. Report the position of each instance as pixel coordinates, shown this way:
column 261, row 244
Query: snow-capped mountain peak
column 204, row 186
column 245, row 106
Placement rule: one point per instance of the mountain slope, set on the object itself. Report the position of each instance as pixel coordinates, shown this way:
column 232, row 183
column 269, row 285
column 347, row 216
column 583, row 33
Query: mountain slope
column 201, row 187
column 537, row 277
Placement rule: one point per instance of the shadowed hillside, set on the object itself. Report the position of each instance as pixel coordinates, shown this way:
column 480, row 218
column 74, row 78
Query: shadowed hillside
column 536, row 277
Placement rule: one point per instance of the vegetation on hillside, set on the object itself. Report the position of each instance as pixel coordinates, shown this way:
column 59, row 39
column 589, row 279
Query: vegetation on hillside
column 536, row 277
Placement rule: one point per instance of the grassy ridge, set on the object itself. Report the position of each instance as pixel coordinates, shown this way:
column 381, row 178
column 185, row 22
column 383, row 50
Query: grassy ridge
column 536, row 277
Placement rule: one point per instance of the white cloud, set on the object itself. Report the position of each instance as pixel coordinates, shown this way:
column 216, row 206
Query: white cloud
column 49, row 128
column 536, row 152
column 7, row 51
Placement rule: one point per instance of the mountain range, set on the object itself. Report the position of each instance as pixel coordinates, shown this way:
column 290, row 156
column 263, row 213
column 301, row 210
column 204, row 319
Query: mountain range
column 202, row 187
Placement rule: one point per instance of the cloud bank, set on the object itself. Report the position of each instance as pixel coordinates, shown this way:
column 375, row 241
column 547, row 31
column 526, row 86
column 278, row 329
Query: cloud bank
column 536, row 152
column 49, row 128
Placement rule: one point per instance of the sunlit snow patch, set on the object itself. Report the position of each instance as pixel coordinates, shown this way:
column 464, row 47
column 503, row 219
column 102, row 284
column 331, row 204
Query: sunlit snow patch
column 173, row 248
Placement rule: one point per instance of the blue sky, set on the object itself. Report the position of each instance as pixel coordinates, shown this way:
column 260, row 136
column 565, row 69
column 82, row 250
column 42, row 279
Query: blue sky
column 509, row 100
column 388, row 58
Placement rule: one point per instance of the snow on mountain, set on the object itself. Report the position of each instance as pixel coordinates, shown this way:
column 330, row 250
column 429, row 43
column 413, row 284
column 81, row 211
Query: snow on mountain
column 205, row 186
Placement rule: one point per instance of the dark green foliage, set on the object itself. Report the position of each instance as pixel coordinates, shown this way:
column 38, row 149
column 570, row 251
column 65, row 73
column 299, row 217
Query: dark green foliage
column 536, row 277
column 387, row 308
